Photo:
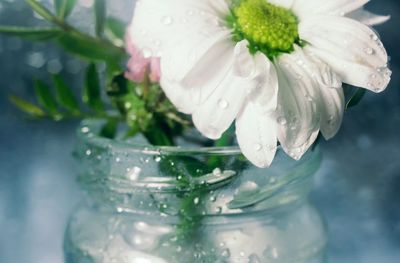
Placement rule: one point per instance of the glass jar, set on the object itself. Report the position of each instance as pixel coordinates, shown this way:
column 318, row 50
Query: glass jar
column 172, row 204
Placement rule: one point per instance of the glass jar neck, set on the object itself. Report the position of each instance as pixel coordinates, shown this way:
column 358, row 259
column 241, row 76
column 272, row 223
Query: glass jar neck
column 129, row 178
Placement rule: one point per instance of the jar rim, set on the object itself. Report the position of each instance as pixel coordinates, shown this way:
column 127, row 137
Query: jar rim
column 89, row 130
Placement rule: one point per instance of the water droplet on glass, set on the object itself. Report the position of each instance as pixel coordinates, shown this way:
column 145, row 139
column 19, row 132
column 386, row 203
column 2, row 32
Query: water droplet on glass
column 85, row 129
column 217, row 172
column 271, row 253
column 253, row 258
column 88, row 152
column 134, row 173
column 225, row 253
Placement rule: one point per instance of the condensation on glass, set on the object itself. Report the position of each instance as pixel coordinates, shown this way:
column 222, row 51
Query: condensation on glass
column 147, row 204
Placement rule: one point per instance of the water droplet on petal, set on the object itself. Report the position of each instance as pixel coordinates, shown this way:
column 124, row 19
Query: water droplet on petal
column 147, row 53
column 258, row 147
column 167, row 20
column 369, row 51
column 223, row 104
column 282, row 121
column 374, row 37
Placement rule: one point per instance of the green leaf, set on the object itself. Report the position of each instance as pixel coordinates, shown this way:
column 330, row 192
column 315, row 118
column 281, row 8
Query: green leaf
column 92, row 91
column 27, row 107
column 100, row 13
column 356, row 98
column 42, row 11
column 65, row 96
column 109, row 129
column 90, row 48
column 115, row 30
column 45, row 98
column 34, row 34
column 64, row 7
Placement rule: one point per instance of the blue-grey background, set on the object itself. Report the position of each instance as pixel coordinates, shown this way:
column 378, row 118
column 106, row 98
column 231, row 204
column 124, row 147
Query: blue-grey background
column 357, row 189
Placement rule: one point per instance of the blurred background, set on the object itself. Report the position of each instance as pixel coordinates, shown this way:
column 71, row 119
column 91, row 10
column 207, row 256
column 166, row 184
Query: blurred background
column 356, row 189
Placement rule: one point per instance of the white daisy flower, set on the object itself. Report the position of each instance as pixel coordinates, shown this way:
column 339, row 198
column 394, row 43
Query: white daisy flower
column 275, row 67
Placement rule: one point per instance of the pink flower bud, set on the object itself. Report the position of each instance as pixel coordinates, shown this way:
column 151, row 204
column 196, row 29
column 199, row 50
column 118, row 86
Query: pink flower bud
column 138, row 66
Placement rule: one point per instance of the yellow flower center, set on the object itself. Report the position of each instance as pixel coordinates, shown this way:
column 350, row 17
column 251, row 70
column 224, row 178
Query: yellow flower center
column 268, row 28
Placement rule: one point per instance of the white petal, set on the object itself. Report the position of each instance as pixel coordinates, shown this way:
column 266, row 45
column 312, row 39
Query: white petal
column 332, row 99
column 201, row 80
column 350, row 48
column 305, row 8
column 221, row 6
column 257, row 135
column 155, row 23
column 185, row 99
column 265, row 95
column 298, row 112
column 217, row 113
column 219, row 110
column 332, row 111
column 182, row 55
column 367, row 18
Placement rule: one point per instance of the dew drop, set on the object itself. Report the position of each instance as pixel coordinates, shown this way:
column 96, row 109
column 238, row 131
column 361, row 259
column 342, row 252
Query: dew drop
column 300, row 62
column 282, row 121
column 309, row 98
column 134, row 173
column 85, row 129
column 369, row 51
column 217, row 172
column 271, row 253
column 253, row 258
column 167, row 20
column 147, row 53
column 196, row 200
column 258, row 147
column 225, row 253
column 223, row 104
